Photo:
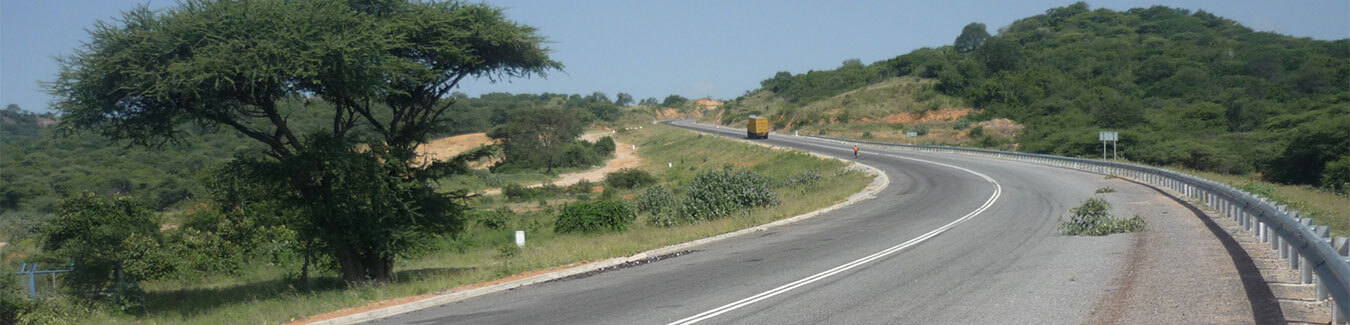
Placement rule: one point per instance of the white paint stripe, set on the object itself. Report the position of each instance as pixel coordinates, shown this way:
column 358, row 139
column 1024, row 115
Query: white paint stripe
column 998, row 190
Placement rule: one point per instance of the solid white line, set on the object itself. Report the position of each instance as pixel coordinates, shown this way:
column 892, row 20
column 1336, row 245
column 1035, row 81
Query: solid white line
column 998, row 190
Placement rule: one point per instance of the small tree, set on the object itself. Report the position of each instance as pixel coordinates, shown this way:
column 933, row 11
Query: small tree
column 972, row 36
column 674, row 101
column 536, row 138
column 112, row 243
column 623, row 99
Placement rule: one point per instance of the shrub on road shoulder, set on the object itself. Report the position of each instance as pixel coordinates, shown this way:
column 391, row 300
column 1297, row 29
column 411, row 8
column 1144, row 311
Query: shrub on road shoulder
column 1093, row 218
column 594, row 216
column 717, row 194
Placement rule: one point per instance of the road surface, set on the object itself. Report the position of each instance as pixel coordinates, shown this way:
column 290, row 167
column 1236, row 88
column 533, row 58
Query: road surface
column 953, row 239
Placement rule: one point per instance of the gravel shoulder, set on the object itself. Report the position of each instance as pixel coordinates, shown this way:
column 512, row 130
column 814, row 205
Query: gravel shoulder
column 1182, row 266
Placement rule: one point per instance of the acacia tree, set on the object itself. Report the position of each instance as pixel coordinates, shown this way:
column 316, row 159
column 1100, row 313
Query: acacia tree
column 386, row 69
column 972, row 36
column 623, row 99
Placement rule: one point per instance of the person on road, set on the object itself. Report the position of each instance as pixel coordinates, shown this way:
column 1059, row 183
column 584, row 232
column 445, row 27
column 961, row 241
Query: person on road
column 855, row 152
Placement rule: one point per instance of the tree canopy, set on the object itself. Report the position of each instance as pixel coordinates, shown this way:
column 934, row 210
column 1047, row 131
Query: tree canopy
column 972, row 36
column 384, row 69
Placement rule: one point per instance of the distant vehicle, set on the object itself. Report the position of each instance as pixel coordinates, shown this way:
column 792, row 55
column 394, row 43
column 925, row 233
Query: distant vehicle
column 757, row 127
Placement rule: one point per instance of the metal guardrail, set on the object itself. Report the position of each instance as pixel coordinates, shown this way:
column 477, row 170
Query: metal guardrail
column 1307, row 248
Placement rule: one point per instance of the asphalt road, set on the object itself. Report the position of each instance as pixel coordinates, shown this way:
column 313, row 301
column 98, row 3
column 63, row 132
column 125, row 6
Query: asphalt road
column 953, row 239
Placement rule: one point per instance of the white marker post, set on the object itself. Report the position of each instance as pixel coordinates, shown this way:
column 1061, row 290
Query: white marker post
column 520, row 238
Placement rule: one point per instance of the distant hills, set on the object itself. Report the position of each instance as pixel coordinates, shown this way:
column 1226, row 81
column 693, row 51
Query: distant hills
column 1183, row 88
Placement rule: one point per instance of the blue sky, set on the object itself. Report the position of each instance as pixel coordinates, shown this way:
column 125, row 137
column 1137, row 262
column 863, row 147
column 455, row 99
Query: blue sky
column 656, row 48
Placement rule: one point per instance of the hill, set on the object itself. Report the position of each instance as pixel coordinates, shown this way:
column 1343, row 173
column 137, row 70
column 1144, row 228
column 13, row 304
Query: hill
column 1183, row 88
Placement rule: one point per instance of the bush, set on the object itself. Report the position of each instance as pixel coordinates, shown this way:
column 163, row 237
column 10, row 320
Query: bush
column 717, row 194
column 806, row 178
column 867, row 135
column 1336, row 175
column 13, row 302
column 659, row 202
column 516, row 192
column 1093, row 218
column 580, row 187
column 596, row 216
column 976, row 132
column 629, row 178
column 1107, row 189
column 496, row 219
column 605, row 146
column 655, row 200
column 115, row 243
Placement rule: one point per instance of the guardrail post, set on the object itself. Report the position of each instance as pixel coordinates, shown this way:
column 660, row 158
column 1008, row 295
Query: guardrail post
column 1342, row 247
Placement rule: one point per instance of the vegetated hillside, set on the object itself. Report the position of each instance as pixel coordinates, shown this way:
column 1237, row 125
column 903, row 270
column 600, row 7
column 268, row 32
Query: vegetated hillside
column 39, row 166
column 1183, row 88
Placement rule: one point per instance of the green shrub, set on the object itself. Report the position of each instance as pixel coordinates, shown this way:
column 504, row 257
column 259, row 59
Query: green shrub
column 594, row 216
column 1093, row 218
column 717, row 194
column 516, row 192
column 1263, row 190
column 115, row 243
column 655, row 200
column 821, row 132
column 921, row 129
column 605, row 146
column 1336, row 176
column 976, row 132
column 867, row 135
column 14, row 303
column 629, row 178
column 1107, row 189
column 806, row 178
column 496, row 219
column 580, row 187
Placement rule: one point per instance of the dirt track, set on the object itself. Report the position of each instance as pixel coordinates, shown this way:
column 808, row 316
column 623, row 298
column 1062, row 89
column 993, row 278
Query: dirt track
column 624, row 157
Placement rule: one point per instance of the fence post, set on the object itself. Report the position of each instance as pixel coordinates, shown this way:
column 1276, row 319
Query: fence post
column 32, row 281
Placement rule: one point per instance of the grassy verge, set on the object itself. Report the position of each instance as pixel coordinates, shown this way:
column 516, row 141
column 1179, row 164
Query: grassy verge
column 1323, row 207
column 263, row 294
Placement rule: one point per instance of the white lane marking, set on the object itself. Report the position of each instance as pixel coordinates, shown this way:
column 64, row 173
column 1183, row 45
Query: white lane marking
column 998, row 190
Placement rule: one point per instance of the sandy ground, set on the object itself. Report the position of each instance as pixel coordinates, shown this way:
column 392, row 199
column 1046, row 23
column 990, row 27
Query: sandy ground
column 625, row 156
column 448, row 147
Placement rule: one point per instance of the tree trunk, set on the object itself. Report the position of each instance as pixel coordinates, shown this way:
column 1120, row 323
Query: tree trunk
column 353, row 270
column 304, row 269
column 380, row 268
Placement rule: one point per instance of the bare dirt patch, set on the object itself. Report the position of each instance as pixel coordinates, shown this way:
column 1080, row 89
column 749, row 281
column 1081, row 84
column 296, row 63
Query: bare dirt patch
column 449, row 147
column 1001, row 127
column 941, row 115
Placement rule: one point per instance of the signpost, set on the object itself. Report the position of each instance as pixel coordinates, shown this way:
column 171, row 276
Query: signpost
column 1105, row 136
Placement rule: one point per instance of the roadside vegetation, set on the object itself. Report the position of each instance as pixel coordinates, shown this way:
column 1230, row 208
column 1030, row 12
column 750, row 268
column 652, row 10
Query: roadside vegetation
column 564, row 226
column 1093, row 218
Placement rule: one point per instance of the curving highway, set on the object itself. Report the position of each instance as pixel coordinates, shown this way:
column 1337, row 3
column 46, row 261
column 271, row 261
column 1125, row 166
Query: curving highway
column 952, row 239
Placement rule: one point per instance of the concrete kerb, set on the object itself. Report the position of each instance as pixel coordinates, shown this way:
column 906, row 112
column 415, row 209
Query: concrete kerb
column 880, row 182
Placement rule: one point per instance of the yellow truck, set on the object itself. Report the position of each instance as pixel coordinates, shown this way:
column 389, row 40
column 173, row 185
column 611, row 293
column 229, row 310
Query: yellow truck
column 757, row 127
